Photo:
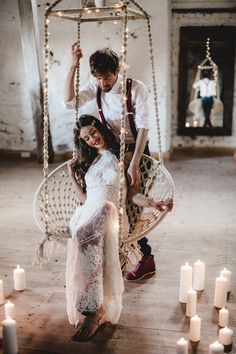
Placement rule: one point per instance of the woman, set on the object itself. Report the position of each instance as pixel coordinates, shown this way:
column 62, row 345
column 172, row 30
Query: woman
column 94, row 279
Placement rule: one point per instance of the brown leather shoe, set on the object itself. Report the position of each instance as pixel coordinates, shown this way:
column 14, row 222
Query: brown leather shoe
column 89, row 327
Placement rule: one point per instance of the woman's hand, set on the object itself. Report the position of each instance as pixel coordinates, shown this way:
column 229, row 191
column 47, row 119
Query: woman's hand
column 162, row 204
column 71, row 165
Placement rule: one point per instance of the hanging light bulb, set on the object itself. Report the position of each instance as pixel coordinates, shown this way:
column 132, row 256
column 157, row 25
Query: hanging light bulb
column 187, row 125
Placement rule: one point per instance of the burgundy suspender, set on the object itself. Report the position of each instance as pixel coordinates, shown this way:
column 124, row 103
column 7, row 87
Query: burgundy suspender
column 99, row 103
column 129, row 105
column 130, row 110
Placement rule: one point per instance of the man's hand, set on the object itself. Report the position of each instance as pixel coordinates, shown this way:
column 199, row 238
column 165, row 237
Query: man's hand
column 76, row 54
column 133, row 175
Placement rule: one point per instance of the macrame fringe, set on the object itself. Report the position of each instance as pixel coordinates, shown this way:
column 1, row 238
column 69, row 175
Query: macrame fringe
column 53, row 243
column 129, row 256
column 38, row 258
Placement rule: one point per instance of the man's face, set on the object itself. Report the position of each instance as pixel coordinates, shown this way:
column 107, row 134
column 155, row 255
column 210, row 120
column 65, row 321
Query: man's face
column 107, row 81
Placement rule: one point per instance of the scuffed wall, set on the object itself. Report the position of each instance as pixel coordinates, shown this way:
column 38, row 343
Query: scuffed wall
column 16, row 124
column 94, row 36
column 198, row 19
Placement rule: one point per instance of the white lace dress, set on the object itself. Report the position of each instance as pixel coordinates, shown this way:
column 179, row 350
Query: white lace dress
column 93, row 274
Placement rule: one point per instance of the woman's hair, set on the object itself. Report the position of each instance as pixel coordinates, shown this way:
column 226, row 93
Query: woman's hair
column 87, row 154
column 104, row 61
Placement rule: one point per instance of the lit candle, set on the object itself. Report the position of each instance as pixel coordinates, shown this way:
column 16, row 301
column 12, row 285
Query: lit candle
column 19, row 278
column 195, row 329
column 9, row 309
column 221, row 285
column 186, row 275
column 191, row 307
column 9, row 336
column 182, row 346
column 216, row 348
column 199, row 275
column 227, row 274
column 223, row 317
column 1, row 292
column 225, row 336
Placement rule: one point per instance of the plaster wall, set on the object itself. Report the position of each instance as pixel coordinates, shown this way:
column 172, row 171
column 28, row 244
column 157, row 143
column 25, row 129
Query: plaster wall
column 16, row 123
column 198, row 19
column 16, row 111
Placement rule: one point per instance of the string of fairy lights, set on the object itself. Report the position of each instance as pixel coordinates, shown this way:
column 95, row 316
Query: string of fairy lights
column 123, row 118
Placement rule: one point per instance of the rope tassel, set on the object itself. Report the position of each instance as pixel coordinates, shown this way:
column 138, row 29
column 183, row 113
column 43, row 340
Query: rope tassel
column 38, row 258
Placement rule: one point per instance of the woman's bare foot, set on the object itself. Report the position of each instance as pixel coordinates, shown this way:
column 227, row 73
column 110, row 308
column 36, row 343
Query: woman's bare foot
column 90, row 326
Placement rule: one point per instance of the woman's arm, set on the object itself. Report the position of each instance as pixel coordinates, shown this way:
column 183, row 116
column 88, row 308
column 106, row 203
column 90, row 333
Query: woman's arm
column 142, row 201
column 77, row 187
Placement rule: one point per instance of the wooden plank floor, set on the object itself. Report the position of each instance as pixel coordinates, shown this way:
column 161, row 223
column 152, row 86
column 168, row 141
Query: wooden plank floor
column 202, row 225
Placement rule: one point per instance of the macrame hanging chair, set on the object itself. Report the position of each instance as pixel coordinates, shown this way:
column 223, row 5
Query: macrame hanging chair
column 55, row 200
column 207, row 64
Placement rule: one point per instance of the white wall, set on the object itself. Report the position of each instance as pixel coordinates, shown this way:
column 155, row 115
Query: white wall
column 94, row 36
column 16, row 123
column 198, row 19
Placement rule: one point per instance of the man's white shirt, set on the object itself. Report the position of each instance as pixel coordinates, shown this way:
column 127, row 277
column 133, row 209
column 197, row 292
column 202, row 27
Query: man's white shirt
column 206, row 87
column 111, row 105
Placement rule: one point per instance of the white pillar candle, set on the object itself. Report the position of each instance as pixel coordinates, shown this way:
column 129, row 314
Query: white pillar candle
column 9, row 309
column 191, row 307
column 9, row 336
column 19, row 278
column 195, row 329
column 216, row 348
column 186, row 275
column 220, row 292
column 182, row 346
column 226, row 336
column 223, row 317
column 1, row 292
column 227, row 274
column 199, row 275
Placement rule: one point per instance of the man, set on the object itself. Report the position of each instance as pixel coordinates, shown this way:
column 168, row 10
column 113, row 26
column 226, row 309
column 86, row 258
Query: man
column 207, row 89
column 106, row 88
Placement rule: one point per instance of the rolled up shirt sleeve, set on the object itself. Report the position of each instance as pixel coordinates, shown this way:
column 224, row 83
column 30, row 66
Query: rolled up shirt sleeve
column 86, row 94
column 140, row 104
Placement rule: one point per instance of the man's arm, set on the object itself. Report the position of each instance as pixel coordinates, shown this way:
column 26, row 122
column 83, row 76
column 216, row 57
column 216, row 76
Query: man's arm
column 133, row 170
column 76, row 55
column 69, row 90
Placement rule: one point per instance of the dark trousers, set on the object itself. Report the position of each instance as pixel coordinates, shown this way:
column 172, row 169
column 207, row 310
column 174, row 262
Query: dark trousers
column 143, row 243
column 207, row 104
column 145, row 248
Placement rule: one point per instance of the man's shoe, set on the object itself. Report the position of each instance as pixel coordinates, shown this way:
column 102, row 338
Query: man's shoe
column 144, row 267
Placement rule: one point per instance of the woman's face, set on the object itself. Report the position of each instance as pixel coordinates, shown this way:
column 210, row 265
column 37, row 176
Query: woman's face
column 92, row 136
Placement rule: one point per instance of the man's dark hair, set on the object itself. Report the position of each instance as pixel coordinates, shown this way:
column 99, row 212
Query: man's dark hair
column 104, row 61
column 206, row 74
